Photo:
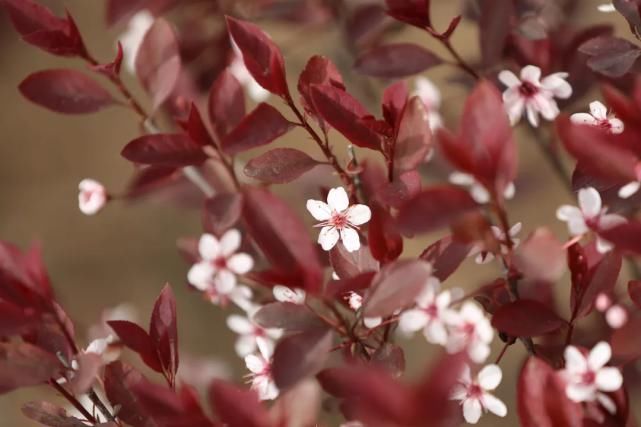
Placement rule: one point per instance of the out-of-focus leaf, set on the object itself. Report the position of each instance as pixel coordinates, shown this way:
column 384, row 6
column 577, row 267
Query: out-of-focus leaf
column 163, row 331
column 173, row 150
column 541, row 256
column 413, row 12
column 120, row 381
column 24, row 365
column 445, row 255
column 222, row 211
column 226, row 104
column 50, row 415
column 414, row 137
column 526, row 318
column 279, row 166
column 611, row 56
column 237, row 407
column 138, row 340
column 634, row 291
column 495, row 28
column 396, row 60
column 260, row 127
column 300, row 356
column 286, row 315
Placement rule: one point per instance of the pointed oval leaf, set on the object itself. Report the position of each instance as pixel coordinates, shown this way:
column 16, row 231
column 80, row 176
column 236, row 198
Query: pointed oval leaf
column 287, row 316
column 163, row 331
column 258, row 128
column 237, row 407
column 526, row 318
column 138, row 340
column 414, row 137
column 397, row 60
column 279, row 166
column 173, row 150
column 300, row 356
column 50, row 415
column 226, row 104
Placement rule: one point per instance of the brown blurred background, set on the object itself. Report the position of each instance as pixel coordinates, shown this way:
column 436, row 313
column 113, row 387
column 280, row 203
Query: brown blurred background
column 128, row 251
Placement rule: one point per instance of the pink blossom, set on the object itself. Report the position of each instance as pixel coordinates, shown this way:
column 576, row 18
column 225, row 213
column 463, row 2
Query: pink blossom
column 588, row 377
column 616, row 316
column 219, row 263
column 285, row 294
column 355, row 302
column 474, row 393
column 339, row 219
column 532, row 95
column 470, row 330
column 92, row 196
column 483, row 256
column 590, row 215
column 260, row 366
column 477, row 190
column 598, row 117
column 251, row 334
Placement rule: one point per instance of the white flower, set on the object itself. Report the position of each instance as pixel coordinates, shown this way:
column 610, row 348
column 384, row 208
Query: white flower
column 219, row 263
column 598, row 117
column 339, row 220
column 478, row 192
column 102, row 347
column 483, row 256
column 606, row 8
column 92, row 196
column 250, row 334
column 260, row 366
column 590, row 215
column 432, row 313
column 355, row 301
column 431, row 97
column 285, row 294
column 472, row 331
column 474, row 393
column 133, row 36
column 533, row 95
column 587, row 377
column 238, row 69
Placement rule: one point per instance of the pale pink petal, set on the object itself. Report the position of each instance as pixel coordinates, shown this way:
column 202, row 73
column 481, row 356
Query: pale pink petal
column 494, row 405
column 598, row 110
column 435, row 332
column 629, row 189
column 208, row 247
column 328, row 237
column 606, row 8
column 230, row 242
column 532, row 114
column 319, row 210
column 459, row 392
column 546, row 106
column 484, row 330
column 359, row 214
column 616, row 316
column 471, row 312
column 611, row 220
column 266, row 348
column 200, row 275
column 602, row 302
column 472, row 410
column 531, row 73
column 478, row 351
column 583, row 119
column 225, row 281
column 607, row 403
column 567, row 213
column 245, row 345
column 575, row 362
column 350, row 239
column 255, row 363
column 466, row 375
column 460, row 178
column 479, row 194
column 372, row 322
column 490, row 377
column 557, row 84
column 240, row 324
column 337, row 199
column 580, row 392
column 609, row 379
column 514, row 107
column 509, row 191
column 509, row 79
column 240, row 263
column 412, row 321
column 92, row 196
column 577, row 226
column 428, row 92
column 590, row 202
column 285, row 294
column 603, row 246
column 599, row 355
column 616, row 125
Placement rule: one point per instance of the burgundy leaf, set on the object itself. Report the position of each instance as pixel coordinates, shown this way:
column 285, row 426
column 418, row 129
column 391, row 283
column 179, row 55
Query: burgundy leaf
column 262, row 57
column 578, row 264
column 350, row 264
column 279, row 166
column 396, row 286
column 163, row 331
column 65, row 91
column 390, row 357
column 413, row 12
column 24, row 365
column 611, row 56
column 385, row 243
column 634, row 291
column 541, row 398
column 50, row 415
column 16, row 320
column 171, row 150
column 226, row 104
column 158, row 62
column 300, row 356
column 626, row 237
column 445, row 255
column 285, row 315
column 223, row 211
column 526, row 318
column 318, row 71
column 148, row 179
column 414, row 137
column 395, row 99
column 602, row 279
column 282, row 237
column 195, row 128
column 343, row 287
column 138, row 340
column 626, row 341
column 345, row 114
column 237, row 407
column 433, row 208
column 120, row 381
column 260, row 127
column 494, row 29
column 541, row 256
column 169, row 407
column 397, row 60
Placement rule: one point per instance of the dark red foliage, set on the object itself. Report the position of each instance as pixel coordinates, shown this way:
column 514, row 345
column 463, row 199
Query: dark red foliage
column 526, row 318
column 396, row 61
column 237, row 407
column 226, row 104
column 169, row 150
column 279, row 166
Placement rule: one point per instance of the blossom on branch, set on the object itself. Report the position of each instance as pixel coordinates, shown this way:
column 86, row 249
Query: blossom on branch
column 260, row 366
column 474, row 393
column 92, row 196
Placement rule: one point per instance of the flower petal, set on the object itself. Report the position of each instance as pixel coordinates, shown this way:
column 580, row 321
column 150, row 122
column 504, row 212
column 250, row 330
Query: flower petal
column 230, row 242
column 478, row 351
column 245, row 345
column 629, row 189
column 494, row 405
column 328, row 237
column 599, row 356
column 583, row 119
column 240, row 324
column 255, row 363
column 435, row 332
column 208, row 247
column 200, row 275
column 337, row 199
column 428, row 92
column 557, row 84
column 514, row 108
column 490, row 377
column 532, row 114
column 350, row 239
column 225, row 281
column 240, row 263
column 359, row 214
column 285, row 294
column 568, row 212
column 575, row 362
column 590, row 202
column 531, row 73
column 616, row 125
column 319, row 210
column 460, row 178
column 609, row 379
column 412, row 320
column 580, row 392
column 509, row 79
column 598, row 110
column 472, row 410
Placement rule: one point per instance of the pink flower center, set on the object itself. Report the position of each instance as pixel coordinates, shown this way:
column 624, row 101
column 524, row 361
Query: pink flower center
column 528, row 89
column 338, row 220
column 604, row 124
column 220, row 262
column 432, row 311
column 468, row 329
column 588, row 377
column 474, row 391
column 259, row 332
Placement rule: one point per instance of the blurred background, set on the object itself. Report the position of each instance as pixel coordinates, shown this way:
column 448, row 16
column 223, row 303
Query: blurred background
column 128, row 251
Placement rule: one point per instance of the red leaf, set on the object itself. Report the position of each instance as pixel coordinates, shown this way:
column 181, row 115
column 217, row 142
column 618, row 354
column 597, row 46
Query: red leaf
column 148, row 179
column 279, row 166
column 174, row 150
column 168, row 407
column 262, row 57
column 318, row 71
column 65, row 91
column 634, row 291
column 50, row 415
column 541, row 256
column 445, row 255
column 237, row 407
column 351, row 264
column 138, row 340
column 602, row 157
column 222, row 212
column 300, row 356
column 413, row 12
column 24, row 365
column 433, row 208
column 626, row 341
column 395, row 99
column 260, row 127
column 158, row 62
column 195, row 128
column 120, row 381
column 396, row 286
column 611, row 56
column 342, row 287
column 578, row 264
column 163, row 331
column 397, row 60
column 282, row 237
column 494, row 26
column 414, row 137
column 602, row 279
column 226, row 104
column 384, row 241
column 526, row 318
column 626, row 237
column 542, row 401
column 16, row 320
column 345, row 114
column 285, row 315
